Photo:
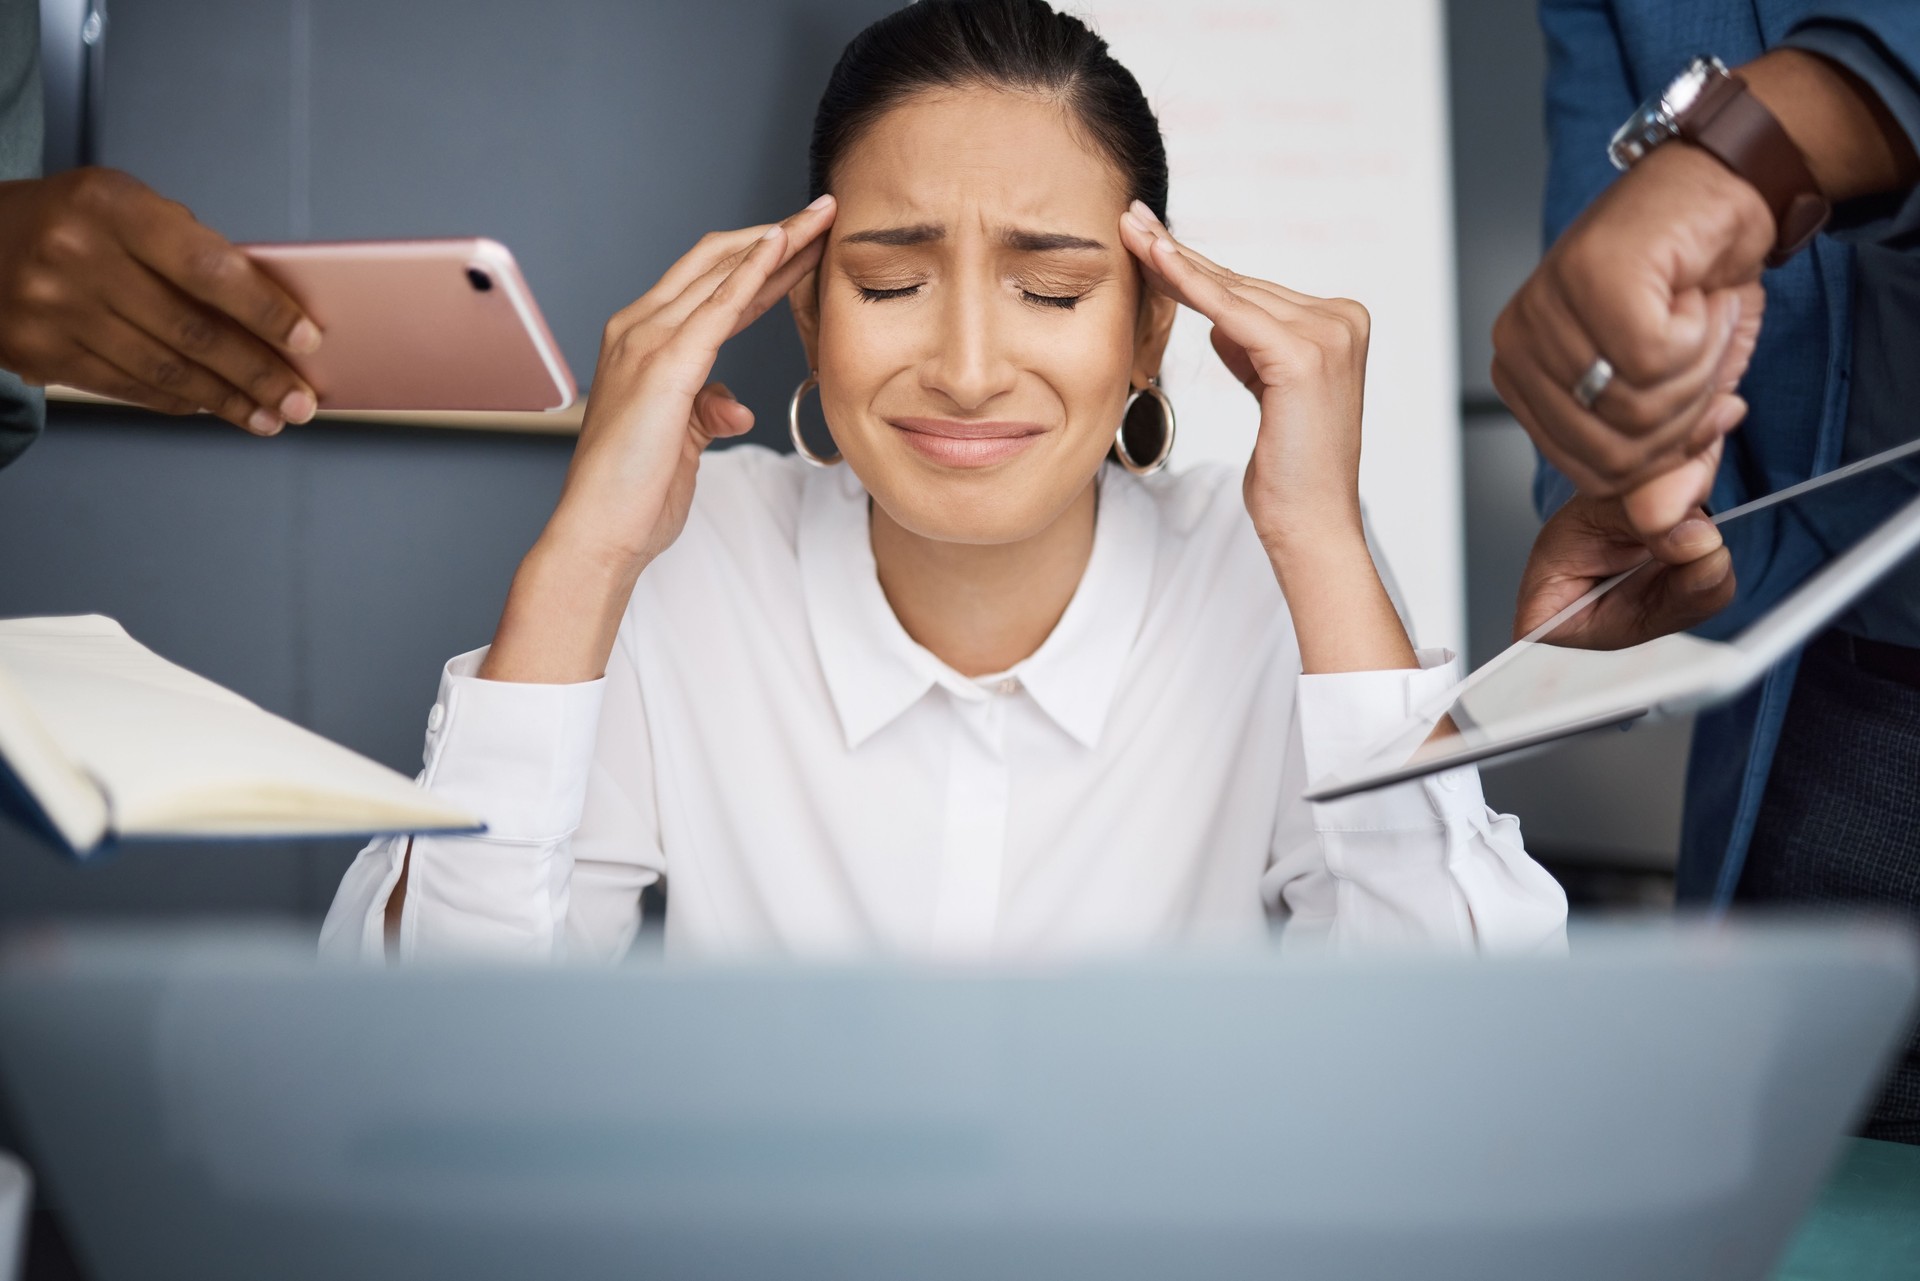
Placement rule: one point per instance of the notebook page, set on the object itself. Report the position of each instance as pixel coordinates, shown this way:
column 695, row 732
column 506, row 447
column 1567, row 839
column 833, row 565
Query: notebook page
column 176, row 754
column 68, row 798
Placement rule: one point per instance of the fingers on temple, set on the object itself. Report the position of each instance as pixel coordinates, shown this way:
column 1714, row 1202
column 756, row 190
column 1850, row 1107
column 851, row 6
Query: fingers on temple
column 699, row 272
column 717, row 316
column 781, row 283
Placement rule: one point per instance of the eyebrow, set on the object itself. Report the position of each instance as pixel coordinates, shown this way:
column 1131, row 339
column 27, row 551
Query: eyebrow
column 1015, row 238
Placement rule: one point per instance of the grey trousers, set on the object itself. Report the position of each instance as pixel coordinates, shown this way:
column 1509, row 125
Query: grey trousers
column 1839, row 826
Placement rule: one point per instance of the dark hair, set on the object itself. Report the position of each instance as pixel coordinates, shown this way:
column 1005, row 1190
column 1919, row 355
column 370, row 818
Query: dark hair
column 1013, row 44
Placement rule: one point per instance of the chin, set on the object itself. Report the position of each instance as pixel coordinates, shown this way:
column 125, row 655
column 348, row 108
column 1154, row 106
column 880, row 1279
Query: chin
column 1007, row 500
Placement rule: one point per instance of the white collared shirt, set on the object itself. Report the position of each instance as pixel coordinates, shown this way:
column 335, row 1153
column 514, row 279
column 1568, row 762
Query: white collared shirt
column 809, row 779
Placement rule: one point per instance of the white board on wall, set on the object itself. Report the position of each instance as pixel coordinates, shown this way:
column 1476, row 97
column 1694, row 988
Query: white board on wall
column 1308, row 145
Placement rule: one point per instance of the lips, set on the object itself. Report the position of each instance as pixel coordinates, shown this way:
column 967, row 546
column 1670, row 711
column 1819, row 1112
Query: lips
column 955, row 442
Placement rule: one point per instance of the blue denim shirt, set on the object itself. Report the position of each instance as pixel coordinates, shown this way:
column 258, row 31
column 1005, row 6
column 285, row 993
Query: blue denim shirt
column 1604, row 58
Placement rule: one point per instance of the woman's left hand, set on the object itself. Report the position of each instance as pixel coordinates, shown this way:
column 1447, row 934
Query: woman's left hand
column 1303, row 358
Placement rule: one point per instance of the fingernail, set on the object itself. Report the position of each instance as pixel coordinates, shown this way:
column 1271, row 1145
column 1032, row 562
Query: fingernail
column 1134, row 221
column 1146, row 215
column 1694, row 537
column 821, row 201
column 297, row 407
column 1726, row 567
column 263, row 421
column 771, row 233
column 304, row 338
column 1733, row 314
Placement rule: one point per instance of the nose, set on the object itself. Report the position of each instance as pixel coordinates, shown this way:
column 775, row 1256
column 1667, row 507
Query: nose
column 969, row 366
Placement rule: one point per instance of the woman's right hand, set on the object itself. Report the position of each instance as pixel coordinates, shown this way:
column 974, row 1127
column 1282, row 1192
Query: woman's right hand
column 651, row 414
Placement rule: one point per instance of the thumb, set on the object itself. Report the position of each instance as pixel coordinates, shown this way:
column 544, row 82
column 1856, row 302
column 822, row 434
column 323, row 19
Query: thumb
column 718, row 414
column 1658, row 505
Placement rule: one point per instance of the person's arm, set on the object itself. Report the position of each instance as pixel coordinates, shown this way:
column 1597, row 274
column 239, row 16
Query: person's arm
column 563, row 775
column 651, row 414
column 1661, row 277
column 108, row 287
column 1423, row 863
column 1304, row 359
column 1886, row 62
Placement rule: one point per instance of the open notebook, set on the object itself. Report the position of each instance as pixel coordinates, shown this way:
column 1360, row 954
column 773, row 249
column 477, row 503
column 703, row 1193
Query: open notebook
column 102, row 739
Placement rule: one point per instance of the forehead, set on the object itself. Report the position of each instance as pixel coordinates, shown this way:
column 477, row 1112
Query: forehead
column 943, row 154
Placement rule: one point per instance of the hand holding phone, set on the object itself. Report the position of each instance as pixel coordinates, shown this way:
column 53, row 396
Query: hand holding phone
column 420, row 325
column 111, row 288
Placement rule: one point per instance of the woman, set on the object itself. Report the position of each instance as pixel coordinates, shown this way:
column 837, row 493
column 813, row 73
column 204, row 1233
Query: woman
column 968, row 689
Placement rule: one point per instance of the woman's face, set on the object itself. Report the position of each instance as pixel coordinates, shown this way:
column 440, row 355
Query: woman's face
column 979, row 322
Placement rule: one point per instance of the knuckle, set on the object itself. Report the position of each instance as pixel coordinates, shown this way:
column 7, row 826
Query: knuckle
column 195, row 331
column 215, row 266
column 42, row 289
column 1613, row 457
column 1638, row 357
column 168, row 373
column 95, row 189
column 64, row 243
column 266, row 383
column 1575, row 263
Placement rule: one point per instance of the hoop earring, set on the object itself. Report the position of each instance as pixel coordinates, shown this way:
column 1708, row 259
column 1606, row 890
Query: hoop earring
column 793, row 424
column 1159, row 459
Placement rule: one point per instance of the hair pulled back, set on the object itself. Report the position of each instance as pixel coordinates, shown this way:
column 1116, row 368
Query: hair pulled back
column 1009, row 44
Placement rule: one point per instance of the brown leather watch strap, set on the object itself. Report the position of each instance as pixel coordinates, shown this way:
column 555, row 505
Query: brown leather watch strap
column 1731, row 124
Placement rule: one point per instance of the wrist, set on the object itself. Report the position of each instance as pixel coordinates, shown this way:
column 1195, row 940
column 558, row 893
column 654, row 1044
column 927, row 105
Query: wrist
column 1314, row 551
column 1852, row 145
column 562, row 614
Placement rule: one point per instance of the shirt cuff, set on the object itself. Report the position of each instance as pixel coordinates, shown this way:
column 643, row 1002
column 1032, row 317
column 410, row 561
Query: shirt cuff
column 1891, row 216
column 1345, row 716
column 516, row 754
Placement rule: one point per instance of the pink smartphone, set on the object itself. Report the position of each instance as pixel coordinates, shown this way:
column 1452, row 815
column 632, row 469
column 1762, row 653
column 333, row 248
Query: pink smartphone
column 420, row 324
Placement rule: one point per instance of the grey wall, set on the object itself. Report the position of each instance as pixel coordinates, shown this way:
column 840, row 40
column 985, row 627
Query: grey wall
column 327, row 574
column 1613, row 798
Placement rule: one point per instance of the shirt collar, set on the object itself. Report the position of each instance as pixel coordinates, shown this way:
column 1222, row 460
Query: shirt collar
column 875, row 671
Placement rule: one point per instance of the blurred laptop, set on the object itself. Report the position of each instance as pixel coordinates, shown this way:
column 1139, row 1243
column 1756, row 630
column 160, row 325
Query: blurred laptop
column 1664, row 1104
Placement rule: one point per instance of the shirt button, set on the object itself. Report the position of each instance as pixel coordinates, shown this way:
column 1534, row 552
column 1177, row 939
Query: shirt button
column 1450, row 780
column 1011, row 685
column 436, row 718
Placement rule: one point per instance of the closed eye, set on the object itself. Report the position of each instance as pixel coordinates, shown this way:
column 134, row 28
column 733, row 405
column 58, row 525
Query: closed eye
column 1063, row 301
column 880, row 295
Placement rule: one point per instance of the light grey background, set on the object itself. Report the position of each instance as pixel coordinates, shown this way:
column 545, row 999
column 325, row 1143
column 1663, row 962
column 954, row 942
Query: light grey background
column 329, row 573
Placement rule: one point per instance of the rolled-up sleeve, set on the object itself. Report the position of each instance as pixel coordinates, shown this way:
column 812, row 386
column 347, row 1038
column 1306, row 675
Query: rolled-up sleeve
column 526, row 758
column 1421, row 863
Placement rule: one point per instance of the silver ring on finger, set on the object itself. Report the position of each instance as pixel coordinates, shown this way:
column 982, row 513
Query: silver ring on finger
column 1593, row 382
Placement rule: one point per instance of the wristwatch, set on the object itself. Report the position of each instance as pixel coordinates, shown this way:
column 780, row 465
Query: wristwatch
column 1712, row 108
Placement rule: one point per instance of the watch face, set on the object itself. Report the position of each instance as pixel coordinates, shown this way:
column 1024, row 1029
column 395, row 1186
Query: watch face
column 1686, row 86
column 1643, row 131
column 1658, row 117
